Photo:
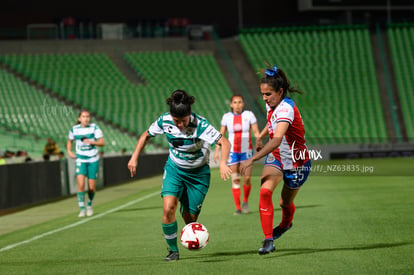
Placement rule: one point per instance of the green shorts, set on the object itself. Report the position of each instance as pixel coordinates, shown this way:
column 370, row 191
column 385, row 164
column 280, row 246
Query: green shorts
column 88, row 169
column 189, row 186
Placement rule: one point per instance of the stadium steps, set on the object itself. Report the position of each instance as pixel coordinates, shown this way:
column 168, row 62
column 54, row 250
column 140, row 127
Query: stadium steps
column 386, row 80
column 118, row 59
column 239, row 72
column 401, row 47
column 198, row 73
column 236, row 69
column 245, row 70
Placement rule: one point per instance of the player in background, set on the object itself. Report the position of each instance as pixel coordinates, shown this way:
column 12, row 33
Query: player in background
column 88, row 137
column 239, row 123
column 287, row 158
column 187, row 171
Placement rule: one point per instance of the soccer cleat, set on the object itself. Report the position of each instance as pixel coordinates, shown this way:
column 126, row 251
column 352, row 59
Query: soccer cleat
column 278, row 231
column 237, row 212
column 172, row 256
column 245, row 207
column 267, row 247
column 89, row 211
column 82, row 213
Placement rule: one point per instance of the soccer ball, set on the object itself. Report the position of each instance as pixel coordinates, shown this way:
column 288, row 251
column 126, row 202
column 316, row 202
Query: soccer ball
column 194, row 236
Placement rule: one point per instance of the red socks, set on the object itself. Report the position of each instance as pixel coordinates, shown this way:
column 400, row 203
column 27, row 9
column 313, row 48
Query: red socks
column 236, row 197
column 246, row 192
column 287, row 215
column 237, row 192
column 266, row 212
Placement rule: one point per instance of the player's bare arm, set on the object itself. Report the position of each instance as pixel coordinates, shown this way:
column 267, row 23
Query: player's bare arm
column 273, row 144
column 99, row 142
column 225, row 171
column 133, row 161
column 69, row 149
column 259, row 139
column 216, row 152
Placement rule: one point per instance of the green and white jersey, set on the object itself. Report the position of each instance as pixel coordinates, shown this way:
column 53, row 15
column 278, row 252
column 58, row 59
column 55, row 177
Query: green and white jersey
column 189, row 148
column 85, row 152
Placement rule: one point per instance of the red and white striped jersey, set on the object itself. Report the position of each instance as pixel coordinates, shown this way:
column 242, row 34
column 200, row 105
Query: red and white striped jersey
column 239, row 129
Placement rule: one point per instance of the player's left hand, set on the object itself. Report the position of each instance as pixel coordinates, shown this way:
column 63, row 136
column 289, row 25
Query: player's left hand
column 71, row 155
column 87, row 141
column 225, row 172
column 132, row 166
column 258, row 145
column 244, row 165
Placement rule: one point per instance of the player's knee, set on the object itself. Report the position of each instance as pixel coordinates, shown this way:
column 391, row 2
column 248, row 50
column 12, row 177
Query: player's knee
column 247, row 180
column 169, row 210
column 284, row 204
column 235, row 180
column 265, row 178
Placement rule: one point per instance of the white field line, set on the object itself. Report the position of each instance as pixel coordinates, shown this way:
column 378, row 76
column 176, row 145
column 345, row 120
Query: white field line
column 85, row 220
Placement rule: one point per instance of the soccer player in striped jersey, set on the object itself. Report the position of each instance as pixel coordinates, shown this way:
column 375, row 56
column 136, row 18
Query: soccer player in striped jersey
column 239, row 123
column 286, row 154
column 187, row 172
column 88, row 136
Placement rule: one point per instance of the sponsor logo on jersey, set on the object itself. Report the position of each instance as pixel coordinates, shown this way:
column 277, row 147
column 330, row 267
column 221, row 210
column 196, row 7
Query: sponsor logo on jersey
column 237, row 127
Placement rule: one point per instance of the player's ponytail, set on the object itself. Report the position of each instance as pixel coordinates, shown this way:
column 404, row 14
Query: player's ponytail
column 277, row 79
column 180, row 103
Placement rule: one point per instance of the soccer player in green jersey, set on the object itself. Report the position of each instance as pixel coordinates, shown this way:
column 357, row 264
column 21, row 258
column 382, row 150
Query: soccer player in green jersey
column 187, row 171
column 87, row 136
